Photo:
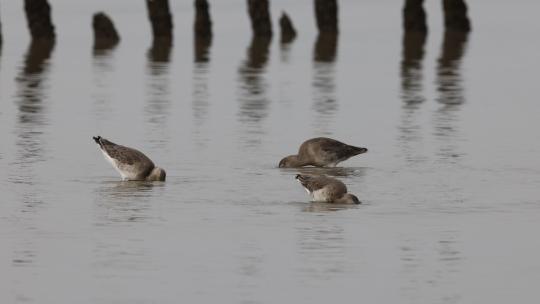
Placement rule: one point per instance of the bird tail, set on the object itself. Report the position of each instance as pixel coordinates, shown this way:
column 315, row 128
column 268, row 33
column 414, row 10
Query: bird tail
column 303, row 179
column 300, row 177
column 97, row 139
column 357, row 150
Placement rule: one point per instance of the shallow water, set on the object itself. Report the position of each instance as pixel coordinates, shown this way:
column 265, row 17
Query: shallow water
column 449, row 185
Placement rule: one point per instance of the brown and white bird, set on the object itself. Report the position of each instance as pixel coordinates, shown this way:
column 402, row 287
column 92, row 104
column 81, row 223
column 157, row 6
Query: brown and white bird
column 326, row 189
column 321, row 152
column 130, row 163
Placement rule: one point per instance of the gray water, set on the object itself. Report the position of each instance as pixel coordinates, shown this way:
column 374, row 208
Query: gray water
column 449, row 186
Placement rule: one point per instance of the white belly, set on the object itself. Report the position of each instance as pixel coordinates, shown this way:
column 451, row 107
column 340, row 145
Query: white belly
column 320, row 195
column 123, row 173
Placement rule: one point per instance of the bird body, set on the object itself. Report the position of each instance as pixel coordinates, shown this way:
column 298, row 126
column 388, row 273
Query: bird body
column 326, row 189
column 130, row 163
column 321, row 152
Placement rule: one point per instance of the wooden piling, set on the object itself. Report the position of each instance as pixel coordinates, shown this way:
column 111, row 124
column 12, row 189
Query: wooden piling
column 414, row 16
column 203, row 22
column 160, row 19
column 288, row 33
column 0, row 33
column 105, row 34
column 326, row 47
column 160, row 51
column 455, row 16
column 259, row 13
column 326, row 14
column 38, row 17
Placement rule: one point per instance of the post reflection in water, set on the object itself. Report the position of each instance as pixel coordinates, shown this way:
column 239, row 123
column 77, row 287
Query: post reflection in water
column 201, row 92
column 31, row 121
column 285, row 50
column 253, row 89
column 412, row 95
column 321, row 247
column 202, row 49
column 31, row 92
column 450, row 93
column 158, row 106
column 102, row 61
column 446, row 249
column 324, row 85
column 411, row 68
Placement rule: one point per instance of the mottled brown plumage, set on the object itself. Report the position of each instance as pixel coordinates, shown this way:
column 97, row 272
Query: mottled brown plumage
column 326, row 189
column 130, row 163
column 321, row 152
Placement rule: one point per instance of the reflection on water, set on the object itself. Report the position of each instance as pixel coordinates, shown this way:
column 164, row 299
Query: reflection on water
column 157, row 109
column 449, row 79
column 202, row 49
column 30, row 82
column 253, row 89
column 416, row 255
column 327, row 207
column 120, row 208
column 331, row 171
column 124, row 201
column 250, row 262
column 201, row 92
column 103, row 63
column 31, row 92
column 411, row 67
column 324, row 84
column 31, row 121
column 450, row 94
column 285, row 52
column 321, row 247
column 412, row 96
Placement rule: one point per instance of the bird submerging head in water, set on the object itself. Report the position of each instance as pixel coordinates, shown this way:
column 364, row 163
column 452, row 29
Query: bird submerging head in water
column 321, row 152
column 327, row 189
column 130, row 163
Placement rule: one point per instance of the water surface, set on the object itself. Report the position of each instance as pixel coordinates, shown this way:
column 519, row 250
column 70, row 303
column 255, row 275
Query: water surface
column 449, row 185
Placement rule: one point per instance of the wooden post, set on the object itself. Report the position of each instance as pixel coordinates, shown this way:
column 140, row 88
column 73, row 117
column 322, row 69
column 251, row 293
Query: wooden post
column 105, row 34
column 326, row 47
column 202, row 30
column 203, row 23
column 288, row 33
column 326, row 14
column 414, row 16
column 259, row 14
column 161, row 19
column 38, row 16
column 455, row 16
column 0, row 33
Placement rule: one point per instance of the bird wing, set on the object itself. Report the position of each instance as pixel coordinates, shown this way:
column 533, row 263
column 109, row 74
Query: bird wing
column 336, row 149
column 126, row 156
column 312, row 183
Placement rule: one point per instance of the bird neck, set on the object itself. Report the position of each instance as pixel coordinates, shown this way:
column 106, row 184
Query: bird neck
column 298, row 161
